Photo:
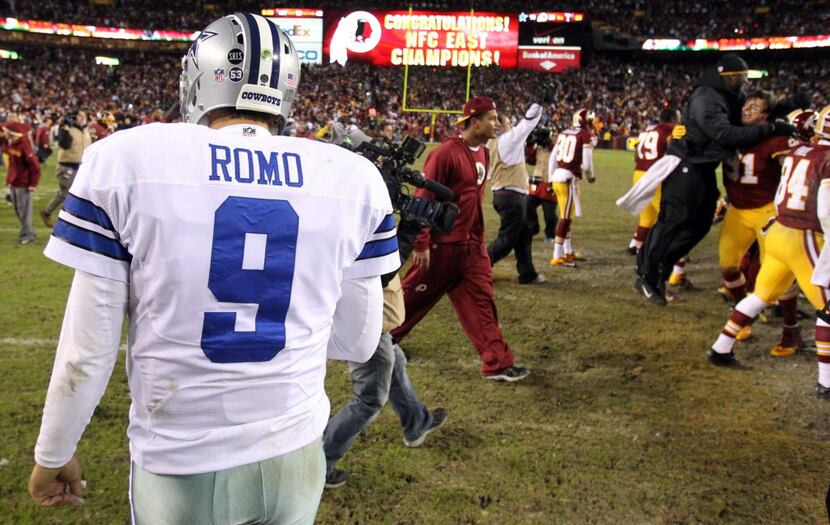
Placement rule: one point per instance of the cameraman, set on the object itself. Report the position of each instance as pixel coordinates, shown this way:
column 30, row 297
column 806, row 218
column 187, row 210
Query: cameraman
column 380, row 379
column 510, row 190
column 73, row 139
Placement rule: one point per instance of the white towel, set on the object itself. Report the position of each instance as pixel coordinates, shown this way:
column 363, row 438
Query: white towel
column 638, row 197
column 575, row 193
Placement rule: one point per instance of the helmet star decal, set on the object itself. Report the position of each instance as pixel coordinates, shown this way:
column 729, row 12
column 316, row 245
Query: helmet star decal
column 194, row 48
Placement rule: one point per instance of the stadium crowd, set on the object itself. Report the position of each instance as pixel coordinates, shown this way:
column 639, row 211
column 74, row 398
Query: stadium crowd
column 696, row 19
column 624, row 93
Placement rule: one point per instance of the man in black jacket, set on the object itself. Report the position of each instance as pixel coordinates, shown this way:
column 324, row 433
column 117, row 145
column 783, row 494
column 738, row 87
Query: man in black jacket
column 690, row 193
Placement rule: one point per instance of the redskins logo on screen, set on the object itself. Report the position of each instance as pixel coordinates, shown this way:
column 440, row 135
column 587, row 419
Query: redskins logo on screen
column 358, row 32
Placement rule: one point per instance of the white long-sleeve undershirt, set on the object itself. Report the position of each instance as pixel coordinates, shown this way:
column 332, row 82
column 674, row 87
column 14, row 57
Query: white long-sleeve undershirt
column 358, row 320
column 588, row 161
column 512, row 143
column 86, row 354
column 821, row 273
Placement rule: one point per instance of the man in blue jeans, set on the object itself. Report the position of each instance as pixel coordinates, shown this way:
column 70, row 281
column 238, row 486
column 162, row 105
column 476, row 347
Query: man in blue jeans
column 383, row 377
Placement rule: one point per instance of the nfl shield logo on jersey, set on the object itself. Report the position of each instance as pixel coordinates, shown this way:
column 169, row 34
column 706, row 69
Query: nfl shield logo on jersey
column 219, row 74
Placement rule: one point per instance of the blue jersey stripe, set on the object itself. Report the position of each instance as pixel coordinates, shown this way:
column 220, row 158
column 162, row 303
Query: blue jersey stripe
column 379, row 248
column 86, row 210
column 253, row 77
column 90, row 241
column 387, row 225
column 275, row 59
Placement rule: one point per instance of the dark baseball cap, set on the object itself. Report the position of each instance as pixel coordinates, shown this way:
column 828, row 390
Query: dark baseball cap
column 476, row 106
column 732, row 64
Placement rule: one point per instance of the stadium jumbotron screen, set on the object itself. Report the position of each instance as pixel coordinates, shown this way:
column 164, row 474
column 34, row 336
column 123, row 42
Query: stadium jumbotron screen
column 423, row 38
column 550, row 41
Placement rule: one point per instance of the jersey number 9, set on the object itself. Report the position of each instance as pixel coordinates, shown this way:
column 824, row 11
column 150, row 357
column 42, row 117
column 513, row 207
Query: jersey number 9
column 263, row 277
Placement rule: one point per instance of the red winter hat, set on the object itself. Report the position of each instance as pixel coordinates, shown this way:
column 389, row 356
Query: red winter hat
column 476, row 106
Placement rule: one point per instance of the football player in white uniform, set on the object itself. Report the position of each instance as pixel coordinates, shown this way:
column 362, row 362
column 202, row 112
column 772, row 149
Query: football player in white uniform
column 242, row 259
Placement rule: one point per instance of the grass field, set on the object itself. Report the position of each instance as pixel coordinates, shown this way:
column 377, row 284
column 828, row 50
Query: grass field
column 622, row 421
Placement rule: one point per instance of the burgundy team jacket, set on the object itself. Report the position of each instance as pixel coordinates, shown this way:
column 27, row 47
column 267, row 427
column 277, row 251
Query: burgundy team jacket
column 24, row 168
column 456, row 166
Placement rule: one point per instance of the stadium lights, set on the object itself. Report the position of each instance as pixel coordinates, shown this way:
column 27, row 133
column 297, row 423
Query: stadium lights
column 107, row 61
column 757, row 73
column 10, row 55
column 293, row 13
column 737, row 44
column 87, row 31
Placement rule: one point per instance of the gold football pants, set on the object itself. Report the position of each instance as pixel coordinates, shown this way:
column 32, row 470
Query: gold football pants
column 791, row 255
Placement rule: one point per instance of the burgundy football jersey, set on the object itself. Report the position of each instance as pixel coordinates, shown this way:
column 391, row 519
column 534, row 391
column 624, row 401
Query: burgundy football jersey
column 754, row 182
column 569, row 146
column 802, row 171
column 652, row 144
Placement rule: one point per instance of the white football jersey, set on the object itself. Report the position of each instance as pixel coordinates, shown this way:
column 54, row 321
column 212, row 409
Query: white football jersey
column 234, row 244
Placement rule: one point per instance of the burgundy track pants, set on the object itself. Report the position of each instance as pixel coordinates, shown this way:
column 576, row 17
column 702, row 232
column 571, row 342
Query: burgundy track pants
column 463, row 272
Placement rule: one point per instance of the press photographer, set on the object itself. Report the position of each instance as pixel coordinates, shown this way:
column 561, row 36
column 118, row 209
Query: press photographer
column 73, row 139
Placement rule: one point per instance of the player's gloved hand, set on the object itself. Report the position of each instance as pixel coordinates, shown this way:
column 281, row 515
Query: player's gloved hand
column 548, row 95
column 782, row 128
column 678, row 132
column 591, row 179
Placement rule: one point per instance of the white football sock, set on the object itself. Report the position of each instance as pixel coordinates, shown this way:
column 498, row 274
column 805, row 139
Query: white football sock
column 751, row 306
column 724, row 344
column 633, row 243
column 824, row 374
column 679, row 270
column 557, row 251
column 569, row 249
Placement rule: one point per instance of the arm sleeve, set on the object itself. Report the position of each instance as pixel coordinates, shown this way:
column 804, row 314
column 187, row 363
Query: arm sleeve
column 823, row 206
column 588, row 160
column 711, row 117
column 33, row 165
column 436, row 168
column 358, row 320
column 87, row 236
column 86, row 354
column 821, row 273
column 512, row 144
column 64, row 138
column 379, row 242
column 552, row 164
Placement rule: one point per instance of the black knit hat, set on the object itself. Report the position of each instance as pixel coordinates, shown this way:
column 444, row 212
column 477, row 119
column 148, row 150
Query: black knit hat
column 731, row 64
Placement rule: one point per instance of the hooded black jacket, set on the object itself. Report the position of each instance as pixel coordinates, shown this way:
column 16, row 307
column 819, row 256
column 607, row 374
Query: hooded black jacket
column 713, row 123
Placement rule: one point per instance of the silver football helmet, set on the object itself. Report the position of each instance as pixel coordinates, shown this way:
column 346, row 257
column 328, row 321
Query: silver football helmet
column 241, row 61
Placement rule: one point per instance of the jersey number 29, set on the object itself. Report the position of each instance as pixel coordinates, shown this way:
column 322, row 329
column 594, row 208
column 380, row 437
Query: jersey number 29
column 262, row 278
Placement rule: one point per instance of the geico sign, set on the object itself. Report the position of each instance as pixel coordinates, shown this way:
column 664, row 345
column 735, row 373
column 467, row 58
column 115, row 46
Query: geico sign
column 308, row 55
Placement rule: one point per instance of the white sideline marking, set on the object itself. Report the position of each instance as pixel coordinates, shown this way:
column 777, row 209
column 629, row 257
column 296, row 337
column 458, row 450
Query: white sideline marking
column 31, row 341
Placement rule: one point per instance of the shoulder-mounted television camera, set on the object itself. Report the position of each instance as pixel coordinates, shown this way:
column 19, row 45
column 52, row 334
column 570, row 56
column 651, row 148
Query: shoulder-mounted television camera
column 392, row 160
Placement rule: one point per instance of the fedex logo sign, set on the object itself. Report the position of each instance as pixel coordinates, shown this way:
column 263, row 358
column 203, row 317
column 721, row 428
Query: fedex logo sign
column 301, row 30
column 296, row 31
